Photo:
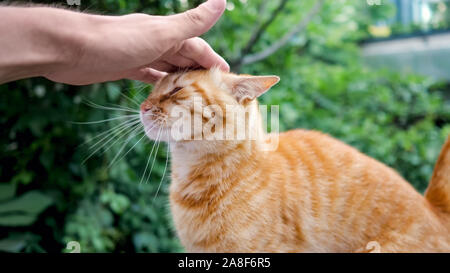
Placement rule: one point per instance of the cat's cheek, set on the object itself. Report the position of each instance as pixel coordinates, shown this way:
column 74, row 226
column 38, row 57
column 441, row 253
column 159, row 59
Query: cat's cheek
column 149, row 127
column 151, row 132
column 166, row 136
column 157, row 133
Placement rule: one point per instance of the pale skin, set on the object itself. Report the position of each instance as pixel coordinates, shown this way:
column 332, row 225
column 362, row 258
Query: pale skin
column 80, row 48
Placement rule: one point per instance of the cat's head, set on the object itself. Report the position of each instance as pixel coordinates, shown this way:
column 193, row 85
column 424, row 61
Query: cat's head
column 202, row 104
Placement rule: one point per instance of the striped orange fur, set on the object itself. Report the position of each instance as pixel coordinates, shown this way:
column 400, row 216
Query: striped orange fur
column 312, row 193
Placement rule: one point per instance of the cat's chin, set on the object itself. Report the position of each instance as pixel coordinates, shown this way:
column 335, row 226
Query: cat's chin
column 157, row 133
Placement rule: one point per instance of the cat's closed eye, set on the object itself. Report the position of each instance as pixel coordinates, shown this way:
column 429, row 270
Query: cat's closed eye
column 171, row 93
column 175, row 90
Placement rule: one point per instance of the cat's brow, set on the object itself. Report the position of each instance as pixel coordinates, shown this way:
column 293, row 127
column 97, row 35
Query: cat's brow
column 168, row 95
column 177, row 78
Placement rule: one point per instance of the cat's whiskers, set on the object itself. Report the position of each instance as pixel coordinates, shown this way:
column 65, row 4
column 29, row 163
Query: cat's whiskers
column 154, row 158
column 122, row 107
column 122, row 136
column 130, row 117
column 128, row 140
column 138, row 89
column 115, row 128
column 130, row 99
column 125, row 142
column 139, row 92
column 123, row 132
column 115, row 132
column 165, row 167
column 115, row 108
column 150, row 157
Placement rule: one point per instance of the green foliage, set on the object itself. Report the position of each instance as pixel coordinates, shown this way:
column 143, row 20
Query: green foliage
column 20, row 211
column 52, row 198
column 23, row 210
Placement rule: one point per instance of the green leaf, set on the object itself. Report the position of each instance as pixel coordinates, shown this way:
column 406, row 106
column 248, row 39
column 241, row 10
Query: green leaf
column 32, row 202
column 13, row 244
column 17, row 220
column 113, row 90
column 16, row 242
column 7, row 191
column 145, row 241
column 24, row 177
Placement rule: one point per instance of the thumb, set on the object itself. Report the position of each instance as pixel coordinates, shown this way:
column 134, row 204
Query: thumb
column 197, row 21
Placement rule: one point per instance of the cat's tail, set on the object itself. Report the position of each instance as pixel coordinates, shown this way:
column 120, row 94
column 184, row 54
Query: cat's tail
column 438, row 192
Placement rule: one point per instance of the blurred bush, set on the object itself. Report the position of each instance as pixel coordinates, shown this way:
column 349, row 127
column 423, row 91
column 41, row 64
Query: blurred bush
column 48, row 197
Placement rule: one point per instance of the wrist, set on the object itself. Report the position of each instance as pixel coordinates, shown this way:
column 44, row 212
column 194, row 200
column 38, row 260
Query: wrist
column 67, row 35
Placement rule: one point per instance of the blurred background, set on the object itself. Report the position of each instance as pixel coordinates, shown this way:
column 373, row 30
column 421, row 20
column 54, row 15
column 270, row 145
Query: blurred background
column 372, row 73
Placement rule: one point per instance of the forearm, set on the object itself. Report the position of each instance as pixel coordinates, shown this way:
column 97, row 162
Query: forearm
column 38, row 41
column 80, row 48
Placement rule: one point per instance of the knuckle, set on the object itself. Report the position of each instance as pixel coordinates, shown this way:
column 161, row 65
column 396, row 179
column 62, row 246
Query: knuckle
column 188, row 46
column 192, row 47
column 194, row 17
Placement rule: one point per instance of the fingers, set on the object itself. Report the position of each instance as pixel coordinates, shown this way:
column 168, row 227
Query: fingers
column 162, row 66
column 172, row 63
column 199, row 51
column 196, row 21
column 147, row 75
column 179, row 60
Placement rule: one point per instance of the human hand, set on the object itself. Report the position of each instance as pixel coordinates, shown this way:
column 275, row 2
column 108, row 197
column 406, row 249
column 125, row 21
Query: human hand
column 94, row 48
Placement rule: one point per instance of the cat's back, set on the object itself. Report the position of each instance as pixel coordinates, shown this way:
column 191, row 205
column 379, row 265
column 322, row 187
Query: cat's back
column 327, row 157
column 341, row 172
column 347, row 198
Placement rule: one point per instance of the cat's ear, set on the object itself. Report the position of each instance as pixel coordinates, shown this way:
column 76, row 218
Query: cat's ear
column 246, row 88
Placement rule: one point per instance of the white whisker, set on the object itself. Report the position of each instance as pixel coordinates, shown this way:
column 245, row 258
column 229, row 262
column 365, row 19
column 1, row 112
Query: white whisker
column 138, row 88
column 131, row 117
column 116, row 132
column 123, row 135
column 150, row 157
column 94, row 105
column 139, row 92
column 154, row 158
column 126, row 129
column 130, row 99
column 111, row 130
column 131, row 136
column 122, row 107
column 165, row 167
column 145, row 132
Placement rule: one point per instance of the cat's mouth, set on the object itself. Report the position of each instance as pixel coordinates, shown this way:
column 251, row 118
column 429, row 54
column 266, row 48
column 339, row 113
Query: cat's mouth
column 155, row 126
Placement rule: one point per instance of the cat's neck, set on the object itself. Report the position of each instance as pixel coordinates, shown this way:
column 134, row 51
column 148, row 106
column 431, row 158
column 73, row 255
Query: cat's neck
column 217, row 160
column 204, row 152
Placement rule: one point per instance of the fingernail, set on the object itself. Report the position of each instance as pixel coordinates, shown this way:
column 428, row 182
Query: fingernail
column 216, row 5
column 225, row 66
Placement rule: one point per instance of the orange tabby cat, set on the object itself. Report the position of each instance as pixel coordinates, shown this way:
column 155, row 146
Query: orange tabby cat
column 312, row 193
